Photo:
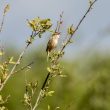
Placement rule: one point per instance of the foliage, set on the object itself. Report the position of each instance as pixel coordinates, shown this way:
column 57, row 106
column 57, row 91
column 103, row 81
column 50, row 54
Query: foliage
column 35, row 93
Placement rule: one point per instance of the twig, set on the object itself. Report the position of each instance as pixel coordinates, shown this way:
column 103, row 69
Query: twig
column 48, row 75
column 17, row 63
column 4, row 14
column 1, row 26
column 77, row 27
column 41, row 92
column 38, row 99
column 12, row 71
column 59, row 23
column 24, row 67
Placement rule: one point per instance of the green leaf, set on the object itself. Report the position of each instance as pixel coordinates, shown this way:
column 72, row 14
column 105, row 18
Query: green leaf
column 48, row 107
column 61, row 75
column 3, row 108
column 71, row 30
column 1, row 53
column 7, row 8
column 50, row 93
column 71, row 41
column 11, row 60
column 32, row 24
column 90, row 2
column 1, row 99
column 1, row 66
column 49, row 69
column 57, row 108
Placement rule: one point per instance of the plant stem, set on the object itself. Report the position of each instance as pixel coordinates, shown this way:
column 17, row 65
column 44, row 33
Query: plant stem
column 41, row 91
column 38, row 99
column 1, row 26
column 12, row 71
column 17, row 63
column 48, row 75
column 22, row 68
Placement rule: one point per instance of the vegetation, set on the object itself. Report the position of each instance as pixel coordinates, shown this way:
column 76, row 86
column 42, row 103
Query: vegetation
column 51, row 83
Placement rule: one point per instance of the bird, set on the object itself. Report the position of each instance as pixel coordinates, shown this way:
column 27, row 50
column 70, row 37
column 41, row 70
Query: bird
column 52, row 43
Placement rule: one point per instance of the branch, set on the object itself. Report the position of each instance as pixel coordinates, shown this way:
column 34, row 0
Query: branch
column 1, row 26
column 24, row 67
column 59, row 23
column 12, row 71
column 17, row 63
column 77, row 27
column 64, row 46
column 7, row 7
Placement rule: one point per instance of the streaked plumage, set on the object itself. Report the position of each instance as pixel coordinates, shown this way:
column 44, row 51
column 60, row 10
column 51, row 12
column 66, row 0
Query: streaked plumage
column 52, row 43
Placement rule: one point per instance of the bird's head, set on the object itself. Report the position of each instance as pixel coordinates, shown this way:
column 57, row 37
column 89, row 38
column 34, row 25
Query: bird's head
column 56, row 35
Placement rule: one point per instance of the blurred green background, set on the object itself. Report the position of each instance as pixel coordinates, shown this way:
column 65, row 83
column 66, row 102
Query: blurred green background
column 86, row 87
column 86, row 62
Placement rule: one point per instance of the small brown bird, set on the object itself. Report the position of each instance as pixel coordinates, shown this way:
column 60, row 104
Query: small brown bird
column 52, row 43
